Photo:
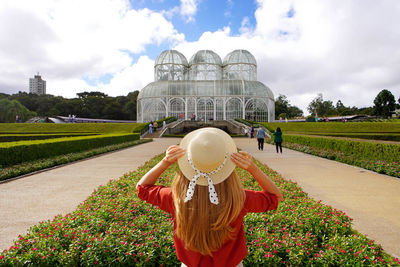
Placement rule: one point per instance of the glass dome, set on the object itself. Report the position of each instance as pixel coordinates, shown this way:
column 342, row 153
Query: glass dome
column 181, row 89
column 240, row 56
column 240, row 65
column 205, row 65
column 170, row 65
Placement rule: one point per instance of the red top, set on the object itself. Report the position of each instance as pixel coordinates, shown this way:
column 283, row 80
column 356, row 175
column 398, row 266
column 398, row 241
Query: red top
column 233, row 251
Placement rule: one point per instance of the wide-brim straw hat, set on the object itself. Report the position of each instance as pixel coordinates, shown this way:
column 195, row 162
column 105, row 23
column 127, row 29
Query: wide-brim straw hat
column 210, row 150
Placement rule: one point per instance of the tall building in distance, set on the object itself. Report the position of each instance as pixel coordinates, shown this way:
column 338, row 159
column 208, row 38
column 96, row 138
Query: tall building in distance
column 37, row 85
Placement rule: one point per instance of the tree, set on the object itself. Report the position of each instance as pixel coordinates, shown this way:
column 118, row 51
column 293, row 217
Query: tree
column 384, row 103
column 9, row 109
column 340, row 107
column 3, row 95
column 281, row 105
column 294, row 111
column 88, row 104
column 284, row 109
column 320, row 107
column 130, row 107
column 87, row 94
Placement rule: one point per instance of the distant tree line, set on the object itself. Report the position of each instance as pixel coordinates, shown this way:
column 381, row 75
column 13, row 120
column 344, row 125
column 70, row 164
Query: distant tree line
column 87, row 105
column 384, row 105
column 98, row 105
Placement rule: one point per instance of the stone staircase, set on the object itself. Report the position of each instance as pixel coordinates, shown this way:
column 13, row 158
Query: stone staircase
column 160, row 130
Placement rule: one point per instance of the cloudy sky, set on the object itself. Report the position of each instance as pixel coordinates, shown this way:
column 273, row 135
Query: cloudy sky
column 347, row 50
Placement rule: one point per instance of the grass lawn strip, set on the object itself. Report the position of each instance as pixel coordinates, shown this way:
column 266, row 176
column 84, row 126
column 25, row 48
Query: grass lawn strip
column 114, row 227
column 32, row 166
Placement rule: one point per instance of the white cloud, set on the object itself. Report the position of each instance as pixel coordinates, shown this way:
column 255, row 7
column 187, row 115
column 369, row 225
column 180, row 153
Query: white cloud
column 188, row 9
column 132, row 78
column 67, row 40
column 345, row 50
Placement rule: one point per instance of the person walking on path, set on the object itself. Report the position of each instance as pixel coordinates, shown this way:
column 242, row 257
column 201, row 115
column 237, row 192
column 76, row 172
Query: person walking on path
column 155, row 125
column 260, row 138
column 246, row 132
column 151, row 127
column 164, row 124
column 207, row 181
column 252, row 132
column 278, row 139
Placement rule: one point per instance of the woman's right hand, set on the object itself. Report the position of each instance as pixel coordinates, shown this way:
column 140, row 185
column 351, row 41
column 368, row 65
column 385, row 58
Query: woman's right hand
column 243, row 160
column 173, row 153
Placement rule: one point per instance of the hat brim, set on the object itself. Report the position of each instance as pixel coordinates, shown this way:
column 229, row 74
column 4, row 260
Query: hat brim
column 222, row 174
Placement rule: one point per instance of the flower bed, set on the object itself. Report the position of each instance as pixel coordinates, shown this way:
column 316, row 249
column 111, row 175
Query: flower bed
column 114, row 227
column 389, row 167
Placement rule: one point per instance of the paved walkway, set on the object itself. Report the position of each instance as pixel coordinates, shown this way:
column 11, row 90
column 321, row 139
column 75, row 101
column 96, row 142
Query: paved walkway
column 26, row 201
column 371, row 199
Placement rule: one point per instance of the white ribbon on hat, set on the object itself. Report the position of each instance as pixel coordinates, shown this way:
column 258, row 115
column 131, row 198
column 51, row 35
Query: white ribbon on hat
column 211, row 189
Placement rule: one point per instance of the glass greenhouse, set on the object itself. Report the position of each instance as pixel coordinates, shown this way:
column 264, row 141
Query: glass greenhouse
column 206, row 88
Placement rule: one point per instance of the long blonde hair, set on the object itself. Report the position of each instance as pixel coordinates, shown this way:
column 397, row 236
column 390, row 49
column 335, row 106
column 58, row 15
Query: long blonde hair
column 203, row 226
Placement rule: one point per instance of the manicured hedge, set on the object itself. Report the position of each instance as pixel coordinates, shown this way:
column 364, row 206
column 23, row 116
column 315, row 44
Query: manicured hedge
column 113, row 227
column 368, row 136
column 364, row 150
column 36, row 165
column 10, row 128
column 20, row 137
column 391, row 168
column 16, row 152
column 159, row 122
column 335, row 127
column 248, row 122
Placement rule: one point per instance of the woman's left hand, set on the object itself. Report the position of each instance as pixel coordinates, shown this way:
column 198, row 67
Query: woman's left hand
column 173, row 153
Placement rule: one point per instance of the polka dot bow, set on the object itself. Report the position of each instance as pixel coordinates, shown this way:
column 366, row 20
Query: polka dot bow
column 211, row 189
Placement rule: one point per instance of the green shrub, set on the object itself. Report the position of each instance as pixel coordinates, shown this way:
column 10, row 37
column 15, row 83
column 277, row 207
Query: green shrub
column 21, row 137
column 364, row 150
column 36, row 165
column 335, row 127
column 27, row 128
column 368, row 136
column 17, row 152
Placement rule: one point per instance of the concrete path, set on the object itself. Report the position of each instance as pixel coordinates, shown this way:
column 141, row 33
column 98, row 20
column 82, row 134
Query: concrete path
column 26, row 201
column 371, row 199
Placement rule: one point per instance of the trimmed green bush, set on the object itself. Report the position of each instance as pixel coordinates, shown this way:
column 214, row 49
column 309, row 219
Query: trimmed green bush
column 16, row 152
column 368, row 136
column 21, row 137
column 36, row 165
column 334, row 127
column 25, row 128
column 364, row 150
